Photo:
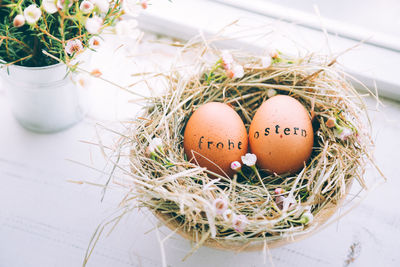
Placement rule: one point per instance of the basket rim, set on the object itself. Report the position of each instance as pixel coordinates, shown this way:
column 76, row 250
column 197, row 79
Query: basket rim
column 255, row 245
column 324, row 212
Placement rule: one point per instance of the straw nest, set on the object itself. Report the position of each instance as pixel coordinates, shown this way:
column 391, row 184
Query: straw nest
column 182, row 194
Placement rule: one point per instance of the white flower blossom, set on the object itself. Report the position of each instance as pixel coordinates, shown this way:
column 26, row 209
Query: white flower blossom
column 240, row 223
column 127, row 29
column 271, row 92
column 343, row 133
column 228, row 215
column 249, row 159
column 266, row 61
column 236, row 166
column 238, row 71
column 131, row 7
column 19, row 21
column 220, row 205
column 95, row 42
column 32, row 14
column 86, row 7
column 73, row 46
column 49, row 6
column 93, row 24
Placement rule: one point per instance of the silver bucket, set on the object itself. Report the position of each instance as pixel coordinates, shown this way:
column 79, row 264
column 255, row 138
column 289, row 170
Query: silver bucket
column 44, row 99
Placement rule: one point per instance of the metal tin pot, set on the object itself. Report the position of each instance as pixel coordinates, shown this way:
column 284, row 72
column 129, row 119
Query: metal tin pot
column 44, row 99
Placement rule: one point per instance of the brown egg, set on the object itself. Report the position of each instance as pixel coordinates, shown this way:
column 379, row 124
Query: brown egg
column 214, row 137
column 281, row 135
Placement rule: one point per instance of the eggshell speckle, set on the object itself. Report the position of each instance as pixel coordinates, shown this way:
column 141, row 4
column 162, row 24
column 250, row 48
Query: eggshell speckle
column 214, row 137
column 281, row 135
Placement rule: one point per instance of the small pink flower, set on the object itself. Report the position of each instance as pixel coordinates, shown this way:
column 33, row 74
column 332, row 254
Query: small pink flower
column 73, row 46
column 19, row 21
column 240, row 223
column 95, row 42
column 86, row 7
column 236, row 166
column 220, row 205
column 228, row 215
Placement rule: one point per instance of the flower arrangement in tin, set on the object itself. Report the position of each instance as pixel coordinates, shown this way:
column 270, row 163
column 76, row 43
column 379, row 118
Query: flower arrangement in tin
column 37, row 33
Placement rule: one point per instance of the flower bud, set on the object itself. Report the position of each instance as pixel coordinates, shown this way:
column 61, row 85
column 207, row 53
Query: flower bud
column 279, row 191
column 271, row 92
column 86, row 7
column 19, row 21
column 306, row 218
column 236, row 166
column 331, row 122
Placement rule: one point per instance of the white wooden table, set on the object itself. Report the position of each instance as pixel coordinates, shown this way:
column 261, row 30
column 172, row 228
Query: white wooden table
column 47, row 221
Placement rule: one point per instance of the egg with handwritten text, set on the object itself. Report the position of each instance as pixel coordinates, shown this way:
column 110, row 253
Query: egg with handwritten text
column 214, row 137
column 281, row 135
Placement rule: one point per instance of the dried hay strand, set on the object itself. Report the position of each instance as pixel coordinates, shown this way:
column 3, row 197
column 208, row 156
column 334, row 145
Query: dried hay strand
column 182, row 195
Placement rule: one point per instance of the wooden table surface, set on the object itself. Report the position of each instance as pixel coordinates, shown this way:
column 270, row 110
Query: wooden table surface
column 47, row 221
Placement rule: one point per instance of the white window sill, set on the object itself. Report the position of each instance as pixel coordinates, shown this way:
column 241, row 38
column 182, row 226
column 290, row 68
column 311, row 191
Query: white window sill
column 185, row 18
